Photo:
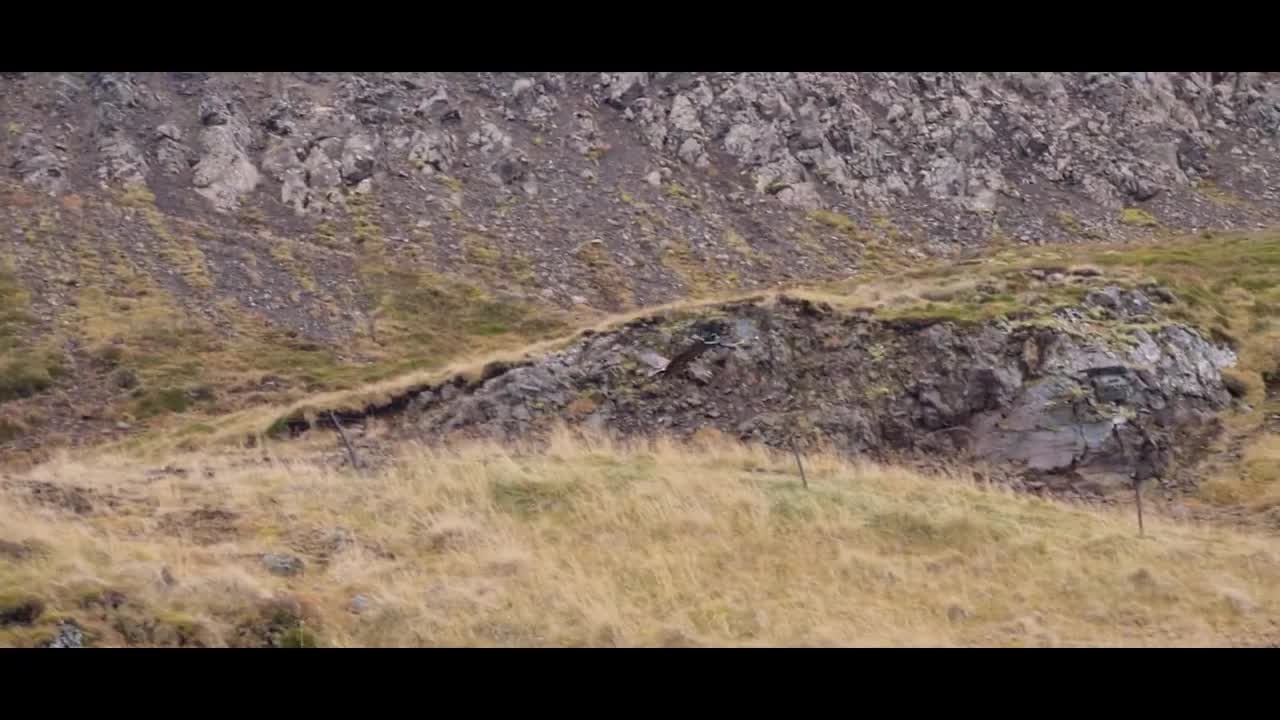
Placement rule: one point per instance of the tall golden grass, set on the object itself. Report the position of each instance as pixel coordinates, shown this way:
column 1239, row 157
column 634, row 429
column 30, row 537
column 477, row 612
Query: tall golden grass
column 589, row 541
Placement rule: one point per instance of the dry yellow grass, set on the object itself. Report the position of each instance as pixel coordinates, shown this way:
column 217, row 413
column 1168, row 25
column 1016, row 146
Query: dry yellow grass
column 589, row 542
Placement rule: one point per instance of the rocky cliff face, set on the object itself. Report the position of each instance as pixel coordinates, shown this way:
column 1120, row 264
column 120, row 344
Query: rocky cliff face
column 616, row 188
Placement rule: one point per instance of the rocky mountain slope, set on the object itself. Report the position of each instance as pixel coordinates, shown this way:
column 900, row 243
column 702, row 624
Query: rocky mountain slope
column 203, row 242
column 637, row 187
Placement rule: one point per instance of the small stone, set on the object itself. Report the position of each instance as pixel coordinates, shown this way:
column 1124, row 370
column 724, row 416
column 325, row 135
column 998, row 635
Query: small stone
column 588, row 175
column 1106, row 298
column 169, row 131
column 283, row 565
column 123, row 426
column 654, row 178
column 702, row 374
column 653, row 359
column 956, row 613
column 360, row 604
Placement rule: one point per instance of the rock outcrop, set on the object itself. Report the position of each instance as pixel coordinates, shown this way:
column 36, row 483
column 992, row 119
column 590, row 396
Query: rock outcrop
column 1054, row 400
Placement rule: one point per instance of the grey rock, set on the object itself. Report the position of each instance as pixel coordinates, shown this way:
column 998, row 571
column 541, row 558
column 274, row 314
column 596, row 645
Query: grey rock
column 169, row 131
column 69, row 636
column 121, row 160
column 38, row 164
column 283, row 565
column 1108, row 298
column 626, row 88
column 1111, row 388
column 357, row 159
column 1135, row 304
column 652, row 359
column 432, row 151
column 213, row 111
column 488, row 138
column 224, row 173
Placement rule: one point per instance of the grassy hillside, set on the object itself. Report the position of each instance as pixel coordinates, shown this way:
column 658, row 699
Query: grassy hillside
column 1228, row 285
column 587, row 542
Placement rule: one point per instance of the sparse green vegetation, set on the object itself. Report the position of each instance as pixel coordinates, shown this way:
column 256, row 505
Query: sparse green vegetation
column 1137, row 217
column 450, row 182
column 325, row 233
column 137, row 195
column 285, row 253
column 444, row 318
column 834, row 220
column 698, row 277
column 253, row 216
column 1220, row 195
column 739, row 245
column 364, row 229
column 676, row 191
column 181, row 253
column 1072, row 225
column 25, row 367
column 608, row 277
column 165, row 400
column 492, row 265
column 478, row 252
